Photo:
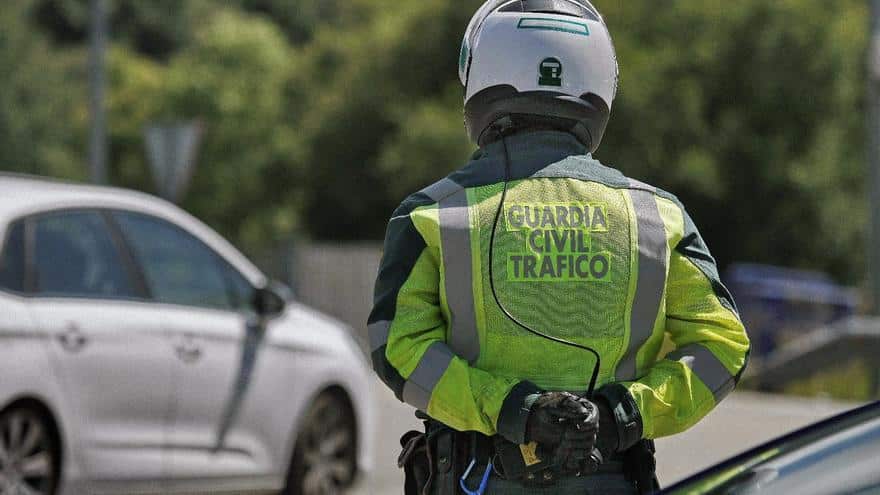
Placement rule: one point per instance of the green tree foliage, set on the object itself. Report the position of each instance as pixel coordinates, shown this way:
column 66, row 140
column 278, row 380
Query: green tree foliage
column 301, row 18
column 41, row 115
column 232, row 79
column 321, row 115
column 155, row 28
column 378, row 86
column 158, row 28
column 750, row 111
column 747, row 111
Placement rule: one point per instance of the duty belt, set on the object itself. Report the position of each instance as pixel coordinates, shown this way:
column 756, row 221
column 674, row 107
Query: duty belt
column 460, row 450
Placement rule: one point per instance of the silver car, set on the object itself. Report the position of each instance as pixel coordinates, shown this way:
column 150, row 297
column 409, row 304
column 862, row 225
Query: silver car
column 141, row 353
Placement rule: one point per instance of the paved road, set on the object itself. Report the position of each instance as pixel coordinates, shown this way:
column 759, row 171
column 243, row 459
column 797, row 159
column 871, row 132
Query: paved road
column 743, row 420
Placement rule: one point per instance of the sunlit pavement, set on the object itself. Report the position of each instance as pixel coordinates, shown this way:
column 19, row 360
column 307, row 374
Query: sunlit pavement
column 743, row 420
column 393, row 420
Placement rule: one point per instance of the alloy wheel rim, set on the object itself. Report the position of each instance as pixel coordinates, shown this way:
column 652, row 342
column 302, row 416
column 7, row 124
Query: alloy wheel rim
column 26, row 461
column 328, row 449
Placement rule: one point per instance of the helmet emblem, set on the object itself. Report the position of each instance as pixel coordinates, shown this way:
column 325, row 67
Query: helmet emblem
column 550, row 72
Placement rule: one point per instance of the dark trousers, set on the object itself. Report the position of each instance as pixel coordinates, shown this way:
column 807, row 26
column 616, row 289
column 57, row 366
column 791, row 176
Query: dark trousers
column 451, row 451
column 604, row 483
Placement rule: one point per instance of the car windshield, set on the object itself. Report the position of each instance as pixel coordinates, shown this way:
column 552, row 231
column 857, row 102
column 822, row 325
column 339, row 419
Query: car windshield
column 835, row 456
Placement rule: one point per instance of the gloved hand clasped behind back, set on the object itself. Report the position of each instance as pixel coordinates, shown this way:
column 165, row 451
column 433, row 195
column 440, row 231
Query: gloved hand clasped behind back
column 569, row 424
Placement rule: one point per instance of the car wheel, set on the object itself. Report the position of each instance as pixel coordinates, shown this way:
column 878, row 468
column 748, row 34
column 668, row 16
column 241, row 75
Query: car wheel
column 29, row 454
column 325, row 457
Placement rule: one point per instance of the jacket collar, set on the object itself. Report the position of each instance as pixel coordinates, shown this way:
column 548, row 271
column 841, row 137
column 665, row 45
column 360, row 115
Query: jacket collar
column 529, row 152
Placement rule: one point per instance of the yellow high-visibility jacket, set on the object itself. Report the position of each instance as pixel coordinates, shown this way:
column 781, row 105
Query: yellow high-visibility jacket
column 581, row 253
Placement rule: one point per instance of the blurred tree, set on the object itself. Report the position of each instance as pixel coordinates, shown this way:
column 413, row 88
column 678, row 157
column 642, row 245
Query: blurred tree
column 321, row 115
column 745, row 110
column 41, row 116
column 158, row 28
column 155, row 28
column 749, row 111
column 301, row 18
column 384, row 116
column 432, row 133
column 232, row 78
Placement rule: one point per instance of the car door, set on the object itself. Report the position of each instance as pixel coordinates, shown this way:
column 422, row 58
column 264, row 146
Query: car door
column 109, row 350
column 205, row 307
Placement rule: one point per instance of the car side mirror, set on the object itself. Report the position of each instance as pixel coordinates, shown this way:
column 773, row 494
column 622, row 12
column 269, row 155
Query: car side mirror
column 270, row 301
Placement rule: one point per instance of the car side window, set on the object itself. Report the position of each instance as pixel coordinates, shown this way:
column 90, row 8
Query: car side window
column 74, row 255
column 12, row 259
column 241, row 292
column 178, row 267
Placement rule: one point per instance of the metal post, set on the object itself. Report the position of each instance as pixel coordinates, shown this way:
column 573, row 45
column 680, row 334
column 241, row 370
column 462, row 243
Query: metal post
column 873, row 248
column 98, row 140
column 873, row 155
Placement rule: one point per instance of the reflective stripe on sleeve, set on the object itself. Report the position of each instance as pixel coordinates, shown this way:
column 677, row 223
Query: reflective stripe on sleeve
column 378, row 332
column 455, row 236
column 651, row 276
column 708, row 368
column 420, row 385
column 441, row 189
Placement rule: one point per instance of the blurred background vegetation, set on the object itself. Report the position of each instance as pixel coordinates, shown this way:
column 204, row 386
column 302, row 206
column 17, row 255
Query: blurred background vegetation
column 321, row 115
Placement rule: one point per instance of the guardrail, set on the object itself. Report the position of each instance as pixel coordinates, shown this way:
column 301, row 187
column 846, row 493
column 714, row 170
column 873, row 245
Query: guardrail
column 840, row 360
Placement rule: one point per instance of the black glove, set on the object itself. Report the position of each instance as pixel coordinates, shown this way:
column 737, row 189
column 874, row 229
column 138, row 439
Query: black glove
column 607, row 439
column 577, row 452
column 568, row 424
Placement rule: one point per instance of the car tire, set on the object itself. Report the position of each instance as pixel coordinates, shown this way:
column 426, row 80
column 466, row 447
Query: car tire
column 30, row 455
column 324, row 459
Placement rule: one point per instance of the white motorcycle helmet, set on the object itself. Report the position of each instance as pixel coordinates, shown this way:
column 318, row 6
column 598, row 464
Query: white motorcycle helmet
column 539, row 63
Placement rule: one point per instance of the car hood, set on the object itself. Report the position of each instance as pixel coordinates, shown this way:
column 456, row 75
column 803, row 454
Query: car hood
column 304, row 328
column 774, row 466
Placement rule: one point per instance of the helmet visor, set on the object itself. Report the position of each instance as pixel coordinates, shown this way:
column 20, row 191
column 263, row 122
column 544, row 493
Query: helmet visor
column 471, row 33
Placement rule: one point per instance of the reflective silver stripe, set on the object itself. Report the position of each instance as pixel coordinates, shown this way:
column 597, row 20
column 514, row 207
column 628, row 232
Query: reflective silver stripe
column 455, row 235
column 651, row 277
column 378, row 334
column 708, row 368
column 420, row 385
column 637, row 184
column 441, row 189
column 455, row 238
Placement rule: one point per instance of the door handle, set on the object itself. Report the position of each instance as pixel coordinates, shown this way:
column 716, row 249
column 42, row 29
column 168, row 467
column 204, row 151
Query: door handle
column 72, row 339
column 188, row 351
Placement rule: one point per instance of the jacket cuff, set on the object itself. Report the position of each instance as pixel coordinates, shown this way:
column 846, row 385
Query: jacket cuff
column 515, row 411
column 626, row 414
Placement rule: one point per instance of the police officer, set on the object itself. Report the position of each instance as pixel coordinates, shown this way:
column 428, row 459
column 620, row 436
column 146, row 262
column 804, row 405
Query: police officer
column 500, row 282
